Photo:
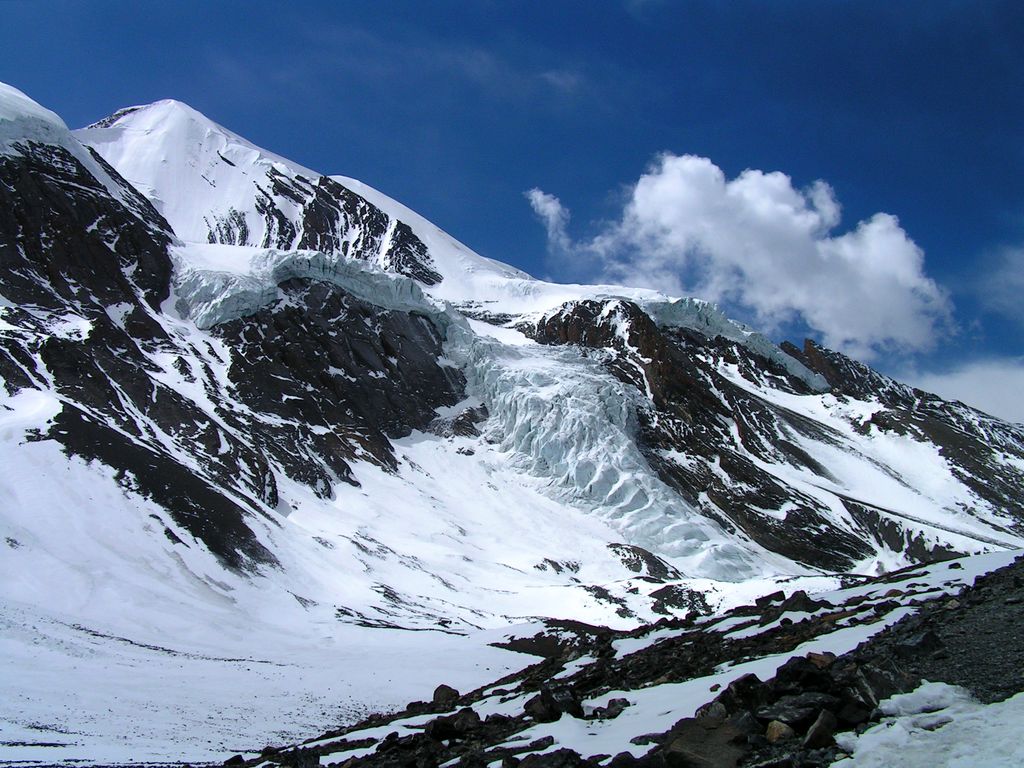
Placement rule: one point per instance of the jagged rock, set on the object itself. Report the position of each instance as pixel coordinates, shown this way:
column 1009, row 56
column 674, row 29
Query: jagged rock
column 765, row 600
column 797, row 710
column 235, row 760
column 623, row 760
column 854, row 713
column 821, row 660
column 701, row 744
column 745, row 692
column 800, row 601
column 299, row 758
column 712, row 713
column 560, row 758
column 800, row 674
column 614, row 708
column 778, row 731
column 821, row 731
column 746, row 722
column 639, row 560
column 452, row 726
column 676, row 596
column 445, row 696
column 551, row 703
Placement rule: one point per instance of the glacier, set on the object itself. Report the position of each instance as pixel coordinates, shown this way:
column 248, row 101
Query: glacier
column 445, row 543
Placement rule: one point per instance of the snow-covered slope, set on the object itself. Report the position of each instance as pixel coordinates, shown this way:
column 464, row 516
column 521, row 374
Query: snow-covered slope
column 213, row 186
column 253, row 413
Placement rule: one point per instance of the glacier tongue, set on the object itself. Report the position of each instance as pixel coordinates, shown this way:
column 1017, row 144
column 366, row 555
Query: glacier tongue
column 565, row 420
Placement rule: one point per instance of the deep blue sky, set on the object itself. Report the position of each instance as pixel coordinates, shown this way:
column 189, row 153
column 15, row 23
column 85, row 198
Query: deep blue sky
column 457, row 108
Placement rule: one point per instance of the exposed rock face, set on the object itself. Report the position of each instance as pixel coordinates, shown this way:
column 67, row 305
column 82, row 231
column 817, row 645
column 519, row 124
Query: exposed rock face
column 694, row 410
column 67, row 243
column 219, row 188
column 973, row 442
column 340, row 375
column 729, row 434
column 333, row 219
column 302, row 387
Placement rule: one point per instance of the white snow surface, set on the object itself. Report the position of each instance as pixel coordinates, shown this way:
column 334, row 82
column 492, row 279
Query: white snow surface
column 939, row 726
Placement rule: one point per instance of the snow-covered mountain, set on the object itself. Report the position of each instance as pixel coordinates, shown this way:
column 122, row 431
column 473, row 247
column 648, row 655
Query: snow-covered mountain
column 255, row 415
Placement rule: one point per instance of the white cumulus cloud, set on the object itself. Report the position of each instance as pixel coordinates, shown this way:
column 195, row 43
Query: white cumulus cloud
column 759, row 243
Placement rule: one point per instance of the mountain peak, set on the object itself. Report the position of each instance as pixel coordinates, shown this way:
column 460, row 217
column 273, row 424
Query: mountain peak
column 163, row 109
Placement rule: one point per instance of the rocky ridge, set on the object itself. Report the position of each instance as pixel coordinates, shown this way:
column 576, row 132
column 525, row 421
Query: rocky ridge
column 935, row 623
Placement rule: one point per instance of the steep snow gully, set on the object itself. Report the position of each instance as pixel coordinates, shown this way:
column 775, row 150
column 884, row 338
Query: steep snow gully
column 277, row 452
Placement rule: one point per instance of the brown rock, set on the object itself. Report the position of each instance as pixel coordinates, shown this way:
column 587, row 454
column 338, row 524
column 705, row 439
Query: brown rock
column 744, row 692
column 821, row 660
column 778, row 731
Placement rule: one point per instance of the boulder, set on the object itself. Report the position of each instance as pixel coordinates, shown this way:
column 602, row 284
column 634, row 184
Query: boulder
column 455, row 726
column 766, row 600
column 614, row 708
column 821, row 660
column 713, row 713
column 551, row 703
column 445, row 696
column 821, row 731
column 560, row 758
column 778, row 731
column 799, row 710
column 698, row 744
column 799, row 601
column 800, row 674
column 746, row 692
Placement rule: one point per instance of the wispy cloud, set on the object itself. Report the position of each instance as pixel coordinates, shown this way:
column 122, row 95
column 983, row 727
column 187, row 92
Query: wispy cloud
column 993, row 386
column 1001, row 289
column 555, row 217
column 365, row 58
column 759, row 243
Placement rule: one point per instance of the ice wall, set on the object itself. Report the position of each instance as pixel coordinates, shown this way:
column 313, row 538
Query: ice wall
column 562, row 418
column 214, row 284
